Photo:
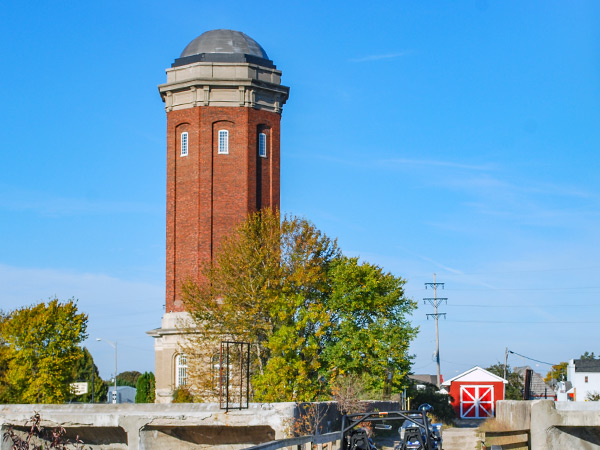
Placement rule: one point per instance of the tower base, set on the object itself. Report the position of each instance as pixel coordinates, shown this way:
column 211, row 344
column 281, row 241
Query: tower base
column 168, row 343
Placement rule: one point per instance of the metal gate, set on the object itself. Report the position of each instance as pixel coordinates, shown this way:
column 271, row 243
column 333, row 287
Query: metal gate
column 234, row 375
column 476, row 402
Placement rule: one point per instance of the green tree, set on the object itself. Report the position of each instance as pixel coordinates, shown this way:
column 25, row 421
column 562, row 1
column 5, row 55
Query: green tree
column 82, row 371
column 285, row 287
column 515, row 385
column 369, row 332
column 558, row 372
column 42, row 348
column 128, row 378
column 145, row 388
column 588, row 355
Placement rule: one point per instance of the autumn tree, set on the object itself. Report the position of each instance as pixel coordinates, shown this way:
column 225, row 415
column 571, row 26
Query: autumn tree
column 558, row 372
column 285, row 287
column 42, row 347
column 240, row 288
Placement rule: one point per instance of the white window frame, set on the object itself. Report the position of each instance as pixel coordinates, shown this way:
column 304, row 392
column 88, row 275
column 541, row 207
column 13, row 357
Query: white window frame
column 262, row 145
column 184, row 143
column 223, row 142
column 181, row 370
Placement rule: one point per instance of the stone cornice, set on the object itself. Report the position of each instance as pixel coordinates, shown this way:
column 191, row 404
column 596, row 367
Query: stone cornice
column 224, row 84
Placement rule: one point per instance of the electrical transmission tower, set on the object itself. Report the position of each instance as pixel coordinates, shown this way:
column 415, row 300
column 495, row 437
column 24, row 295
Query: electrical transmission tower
column 435, row 302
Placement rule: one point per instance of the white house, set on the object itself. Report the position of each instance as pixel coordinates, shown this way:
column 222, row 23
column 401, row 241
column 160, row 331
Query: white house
column 584, row 377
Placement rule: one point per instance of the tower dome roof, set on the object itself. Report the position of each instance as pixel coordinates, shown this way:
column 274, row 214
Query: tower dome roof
column 224, row 42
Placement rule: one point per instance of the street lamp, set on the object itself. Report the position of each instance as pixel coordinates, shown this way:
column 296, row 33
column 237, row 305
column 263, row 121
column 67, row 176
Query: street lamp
column 113, row 345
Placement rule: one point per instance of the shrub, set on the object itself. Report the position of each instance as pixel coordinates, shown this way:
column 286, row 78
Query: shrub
column 442, row 409
column 40, row 438
column 182, row 395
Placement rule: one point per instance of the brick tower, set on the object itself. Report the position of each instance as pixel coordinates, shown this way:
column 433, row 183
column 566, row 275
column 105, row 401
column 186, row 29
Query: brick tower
column 223, row 98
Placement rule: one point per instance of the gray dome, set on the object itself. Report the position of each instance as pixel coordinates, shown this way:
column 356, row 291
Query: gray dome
column 224, row 41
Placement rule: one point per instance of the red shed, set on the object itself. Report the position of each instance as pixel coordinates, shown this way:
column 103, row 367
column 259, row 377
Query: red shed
column 475, row 393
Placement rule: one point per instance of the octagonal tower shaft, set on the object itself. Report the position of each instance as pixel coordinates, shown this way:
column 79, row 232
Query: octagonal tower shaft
column 223, row 156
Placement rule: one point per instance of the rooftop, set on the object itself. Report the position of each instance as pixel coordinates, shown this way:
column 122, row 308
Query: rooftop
column 223, row 46
column 224, row 41
column 587, row 365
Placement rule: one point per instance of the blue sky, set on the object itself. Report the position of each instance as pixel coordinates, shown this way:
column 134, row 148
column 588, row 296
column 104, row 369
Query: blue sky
column 459, row 138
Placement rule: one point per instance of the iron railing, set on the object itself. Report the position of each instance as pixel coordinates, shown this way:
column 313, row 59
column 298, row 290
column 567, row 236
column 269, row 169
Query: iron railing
column 321, row 441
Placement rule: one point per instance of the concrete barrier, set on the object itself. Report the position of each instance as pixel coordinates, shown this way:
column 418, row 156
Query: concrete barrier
column 149, row 426
column 173, row 426
column 554, row 425
column 514, row 415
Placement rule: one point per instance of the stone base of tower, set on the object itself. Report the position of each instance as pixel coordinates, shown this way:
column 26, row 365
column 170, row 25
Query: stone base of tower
column 168, row 343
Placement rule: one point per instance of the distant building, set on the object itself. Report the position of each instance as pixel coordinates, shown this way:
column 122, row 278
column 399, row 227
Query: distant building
column 125, row 394
column 539, row 388
column 422, row 380
column 475, row 393
column 584, row 378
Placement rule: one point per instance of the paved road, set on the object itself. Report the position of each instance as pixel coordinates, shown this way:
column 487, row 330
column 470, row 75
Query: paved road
column 462, row 436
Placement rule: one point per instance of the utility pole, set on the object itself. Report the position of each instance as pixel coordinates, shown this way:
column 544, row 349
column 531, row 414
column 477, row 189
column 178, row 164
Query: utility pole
column 505, row 361
column 435, row 302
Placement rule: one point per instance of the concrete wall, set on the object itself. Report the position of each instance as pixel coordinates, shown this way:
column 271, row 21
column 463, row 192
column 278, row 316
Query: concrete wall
column 514, row 415
column 172, row 426
column 152, row 426
column 554, row 425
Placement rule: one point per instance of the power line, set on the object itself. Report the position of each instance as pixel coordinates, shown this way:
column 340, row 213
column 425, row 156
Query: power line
column 522, row 321
column 531, row 359
column 526, row 321
column 558, row 269
column 579, row 288
column 525, row 306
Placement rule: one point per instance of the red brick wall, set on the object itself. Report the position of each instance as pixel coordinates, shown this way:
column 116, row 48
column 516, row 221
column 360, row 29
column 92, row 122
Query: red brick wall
column 208, row 193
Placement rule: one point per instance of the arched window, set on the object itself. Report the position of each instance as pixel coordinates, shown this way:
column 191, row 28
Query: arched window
column 262, row 145
column 184, row 143
column 223, row 142
column 180, row 370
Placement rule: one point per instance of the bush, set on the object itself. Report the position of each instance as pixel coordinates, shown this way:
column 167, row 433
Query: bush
column 182, row 395
column 442, row 409
column 592, row 396
column 40, row 438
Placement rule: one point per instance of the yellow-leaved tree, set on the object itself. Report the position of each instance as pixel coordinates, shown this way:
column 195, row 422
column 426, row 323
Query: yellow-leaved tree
column 41, row 347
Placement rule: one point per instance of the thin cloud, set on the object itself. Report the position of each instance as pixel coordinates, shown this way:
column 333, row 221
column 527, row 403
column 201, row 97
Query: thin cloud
column 440, row 265
column 53, row 206
column 521, row 188
column 459, row 274
column 379, row 57
column 436, row 163
column 396, row 161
